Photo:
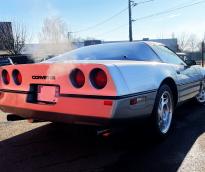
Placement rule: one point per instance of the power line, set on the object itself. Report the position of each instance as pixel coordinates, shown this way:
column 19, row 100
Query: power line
column 153, row 15
column 169, row 11
column 112, row 30
column 110, row 18
column 141, row 18
column 143, row 2
column 101, row 23
column 131, row 4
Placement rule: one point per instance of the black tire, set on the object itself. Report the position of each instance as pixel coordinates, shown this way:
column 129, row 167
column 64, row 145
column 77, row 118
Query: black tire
column 155, row 114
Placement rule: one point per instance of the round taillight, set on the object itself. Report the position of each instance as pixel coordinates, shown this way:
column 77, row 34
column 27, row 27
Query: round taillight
column 5, row 77
column 17, row 77
column 98, row 78
column 77, row 78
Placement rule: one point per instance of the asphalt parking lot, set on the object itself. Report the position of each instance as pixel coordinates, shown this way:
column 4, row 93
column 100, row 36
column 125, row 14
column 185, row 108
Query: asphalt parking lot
column 54, row 147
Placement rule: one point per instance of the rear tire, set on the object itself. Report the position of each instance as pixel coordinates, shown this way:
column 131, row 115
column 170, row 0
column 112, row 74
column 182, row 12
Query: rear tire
column 163, row 112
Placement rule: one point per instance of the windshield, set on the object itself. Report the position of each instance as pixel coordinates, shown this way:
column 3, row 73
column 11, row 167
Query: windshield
column 118, row 51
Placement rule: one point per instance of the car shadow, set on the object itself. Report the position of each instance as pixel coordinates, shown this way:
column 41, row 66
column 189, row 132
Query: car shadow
column 55, row 147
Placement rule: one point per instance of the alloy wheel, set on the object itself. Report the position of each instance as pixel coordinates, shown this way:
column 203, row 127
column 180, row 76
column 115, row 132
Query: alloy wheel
column 165, row 111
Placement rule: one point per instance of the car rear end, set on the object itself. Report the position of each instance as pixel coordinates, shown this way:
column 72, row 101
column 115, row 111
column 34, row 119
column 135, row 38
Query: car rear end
column 73, row 93
column 94, row 93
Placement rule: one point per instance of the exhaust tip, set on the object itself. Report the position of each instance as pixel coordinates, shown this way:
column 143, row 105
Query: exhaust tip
column 13, row 117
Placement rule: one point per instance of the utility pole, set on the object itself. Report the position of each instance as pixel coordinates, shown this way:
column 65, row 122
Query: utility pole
column 203, row 53
column 130, row 20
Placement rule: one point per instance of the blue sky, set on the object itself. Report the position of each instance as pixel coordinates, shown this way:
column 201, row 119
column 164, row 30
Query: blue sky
column 80, row 14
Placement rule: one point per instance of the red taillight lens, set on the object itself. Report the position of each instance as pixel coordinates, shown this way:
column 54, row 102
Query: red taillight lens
column 98, row 78
column 77, row 78
column 17, row 77
column 5, row 77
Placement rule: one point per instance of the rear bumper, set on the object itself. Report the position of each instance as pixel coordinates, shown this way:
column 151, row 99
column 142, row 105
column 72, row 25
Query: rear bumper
column 79, row 109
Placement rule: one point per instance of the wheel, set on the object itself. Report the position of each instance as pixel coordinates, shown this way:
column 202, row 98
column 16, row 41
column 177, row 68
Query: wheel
column 163, row 111
column 200, row 98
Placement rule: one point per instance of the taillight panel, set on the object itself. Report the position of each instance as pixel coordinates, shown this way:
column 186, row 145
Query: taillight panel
column 77, row 78
column 17, row 77
column 98, row 78
column 5, row 77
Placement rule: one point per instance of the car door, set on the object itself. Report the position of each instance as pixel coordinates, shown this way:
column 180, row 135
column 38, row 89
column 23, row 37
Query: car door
column 189, row 81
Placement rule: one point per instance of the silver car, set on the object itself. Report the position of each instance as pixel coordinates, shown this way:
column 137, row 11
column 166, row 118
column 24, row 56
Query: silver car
column 102, row 84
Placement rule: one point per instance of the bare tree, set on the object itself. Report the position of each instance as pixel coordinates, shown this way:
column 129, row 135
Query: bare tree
column 13, row 38
column 54, row 30
column 188, row 42
column 193, row 43
column 183, row 41
column 54, row 37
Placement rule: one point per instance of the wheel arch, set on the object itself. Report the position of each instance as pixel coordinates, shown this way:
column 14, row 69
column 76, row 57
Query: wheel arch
column 171, row 83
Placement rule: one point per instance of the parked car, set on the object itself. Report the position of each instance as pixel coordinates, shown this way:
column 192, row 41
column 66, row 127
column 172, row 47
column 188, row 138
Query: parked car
column 182, row 55
column 102, row 84
column 4, row 61
column 15, row 59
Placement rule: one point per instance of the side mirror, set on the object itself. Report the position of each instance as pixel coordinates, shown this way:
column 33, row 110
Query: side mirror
column 190, row 62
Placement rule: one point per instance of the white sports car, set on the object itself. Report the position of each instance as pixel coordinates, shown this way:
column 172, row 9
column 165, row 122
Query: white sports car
column 101, row 84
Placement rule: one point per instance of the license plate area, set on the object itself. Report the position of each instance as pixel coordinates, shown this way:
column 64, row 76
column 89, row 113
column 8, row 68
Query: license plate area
column 47, row 94
column 43, row 94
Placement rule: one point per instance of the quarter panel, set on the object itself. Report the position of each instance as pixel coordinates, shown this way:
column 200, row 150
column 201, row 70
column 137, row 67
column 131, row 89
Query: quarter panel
column 145, row 76
column 143, row 108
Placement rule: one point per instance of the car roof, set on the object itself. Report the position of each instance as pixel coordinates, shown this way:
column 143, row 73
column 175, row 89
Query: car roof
column 149, row 43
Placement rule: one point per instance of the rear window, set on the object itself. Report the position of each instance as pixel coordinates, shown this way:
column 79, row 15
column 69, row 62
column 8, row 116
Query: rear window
column 120, row 51
column 167, row 55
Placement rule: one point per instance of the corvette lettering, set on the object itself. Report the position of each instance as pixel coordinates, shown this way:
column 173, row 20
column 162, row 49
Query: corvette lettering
column 44, row 77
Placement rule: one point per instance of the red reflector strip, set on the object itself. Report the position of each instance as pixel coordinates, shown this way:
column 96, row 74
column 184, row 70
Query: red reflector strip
column 108, row 103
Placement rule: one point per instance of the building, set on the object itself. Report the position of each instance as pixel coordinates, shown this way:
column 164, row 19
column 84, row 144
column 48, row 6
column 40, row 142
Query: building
column 92, row 42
